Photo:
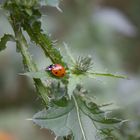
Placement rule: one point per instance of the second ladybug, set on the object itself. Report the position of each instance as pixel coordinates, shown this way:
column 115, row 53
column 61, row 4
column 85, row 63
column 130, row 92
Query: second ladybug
column 57, row 70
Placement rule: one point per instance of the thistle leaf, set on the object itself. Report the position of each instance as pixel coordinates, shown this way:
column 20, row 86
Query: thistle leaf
column 55, row 119
column 94, row 74
column 73, row 81
column 37, row 75
column 4, row 40
column 75, row 119
column 52, row 3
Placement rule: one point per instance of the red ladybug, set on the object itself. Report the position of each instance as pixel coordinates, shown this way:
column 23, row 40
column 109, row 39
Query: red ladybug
column 57, row 70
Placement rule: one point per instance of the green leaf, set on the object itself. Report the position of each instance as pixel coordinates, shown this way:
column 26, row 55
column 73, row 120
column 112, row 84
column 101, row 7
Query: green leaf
column 73, row 81
column 4, row 40
column 62, row 102
column 55, row 119
column 110, row 120
column 93, row 107
column 64, row 124
column 93, row 75
column 75, row 118
column 53, row 3
column 94, row 112
column 37, row 75
column 85, row 124
column 58, row 93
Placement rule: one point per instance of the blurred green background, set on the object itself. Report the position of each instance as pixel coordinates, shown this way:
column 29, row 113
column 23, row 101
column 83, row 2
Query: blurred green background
column 109, row 31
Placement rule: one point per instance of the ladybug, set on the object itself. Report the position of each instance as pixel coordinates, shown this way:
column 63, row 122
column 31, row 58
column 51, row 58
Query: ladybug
column 57, row 70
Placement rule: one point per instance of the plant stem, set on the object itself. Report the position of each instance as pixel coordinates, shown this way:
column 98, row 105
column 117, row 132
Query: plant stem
column 28, row 62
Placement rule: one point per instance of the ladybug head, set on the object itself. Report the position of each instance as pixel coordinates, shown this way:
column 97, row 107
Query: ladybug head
column 49, row 68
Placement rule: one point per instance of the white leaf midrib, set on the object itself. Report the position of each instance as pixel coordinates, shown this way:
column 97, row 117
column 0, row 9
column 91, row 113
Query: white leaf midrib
column 79, row 119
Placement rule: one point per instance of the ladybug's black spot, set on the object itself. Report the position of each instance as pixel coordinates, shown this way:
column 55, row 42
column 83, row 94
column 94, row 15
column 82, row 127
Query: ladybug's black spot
column 56, row 72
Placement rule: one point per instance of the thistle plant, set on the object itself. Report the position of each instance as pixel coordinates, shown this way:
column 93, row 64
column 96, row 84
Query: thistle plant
column 69, row 111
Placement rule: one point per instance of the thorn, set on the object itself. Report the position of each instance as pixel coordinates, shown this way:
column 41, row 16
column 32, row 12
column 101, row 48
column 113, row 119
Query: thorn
column 54, row 41
column 49, row 35
column 29, row 119
column 22, row 74
column 59, row 9
column 125, row 121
